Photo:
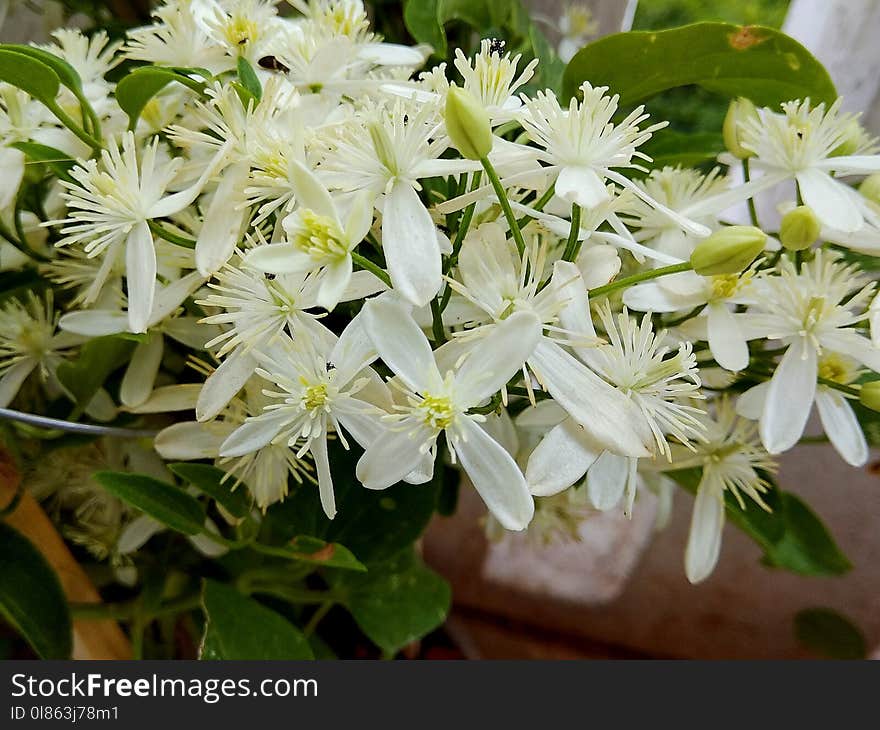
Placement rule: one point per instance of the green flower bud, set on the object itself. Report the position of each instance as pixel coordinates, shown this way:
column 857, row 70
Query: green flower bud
column 869, row 395
column 854, row 139
column 467, row 124
column 799, row 228
column 738, row 111
column 870, row 188
column 728, row 251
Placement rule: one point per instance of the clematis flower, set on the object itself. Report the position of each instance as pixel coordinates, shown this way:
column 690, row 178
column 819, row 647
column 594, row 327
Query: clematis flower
column 437, row 403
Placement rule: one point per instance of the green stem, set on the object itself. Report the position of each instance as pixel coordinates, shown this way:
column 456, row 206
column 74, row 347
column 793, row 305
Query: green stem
column 572, row 246
column 73, row 126
column 684, row 318
column 747, row 176
column 601, row 291
column 501, row 194
column 538, row 205
column 170, row 236
column 319, row 614
column 437, row 322
column 838, row 386
column 365, row 263
column 463, row 227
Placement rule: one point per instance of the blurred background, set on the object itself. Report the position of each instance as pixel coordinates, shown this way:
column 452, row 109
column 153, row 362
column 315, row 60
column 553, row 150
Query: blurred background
column 620, row 591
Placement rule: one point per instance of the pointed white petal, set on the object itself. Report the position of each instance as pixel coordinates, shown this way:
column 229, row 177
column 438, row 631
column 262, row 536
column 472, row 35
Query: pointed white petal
column 599, row 264
column 829, row 200
column 391, row 457
column 789, row 398
column 12, row 379
column 310, row 193
column 841, row 426
column 12, row 163
column 726, row 341
column 561, row 459
column 402, row 346
column 192, row 440
column 334, row 283
column 170, row 398
column 651, row 296
column 255, row 433
column 497, row 357
column 140, row 375
column 136, row 533
column 325, row 480
column 495, row 475
column 704, row 538
column 222, row 385
column 94, row 322
column 606, row 481
column 170, row 297
column 140, row 274
column 353, row 351
column 409, row 240
column 751, row 403
column 581, row 185
column 279, row 258
column 223, row 222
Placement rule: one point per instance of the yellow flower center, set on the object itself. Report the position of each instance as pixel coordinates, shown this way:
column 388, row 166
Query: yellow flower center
column 725, row 286
column 834, row 368
column 240, row 30
column 437, row 411
column 320, row 237
column 315, row 396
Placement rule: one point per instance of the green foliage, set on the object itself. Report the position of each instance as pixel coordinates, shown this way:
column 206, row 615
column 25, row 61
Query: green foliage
column 30, row 75
column 217, row 484
column 791, row 534
column 396, row 602
column 98, row 358
column 164, row 502
column 134, row 91
column 238, row 627
column 656, row 14
column 755, row 62
column 829, row 634
column 57, row 161
column 31, row 598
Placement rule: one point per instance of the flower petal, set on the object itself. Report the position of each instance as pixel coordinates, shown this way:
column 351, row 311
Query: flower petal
column 402, row 346
column 707, row 525
column 726, row 341
column 255, row 433
column 140, row 274
column 223, row 222
column 789, row 398
column 392, row 456
column 325, row 480
column 310, row 193
column 494, row 473
column 222, row 385
column 140, row 375
column 841, row 426
column 581, row 185
column 94, row 322
column 192, row 440
column 279, row 258
column 12, row 379
column 561, row 459
column 334, row 283
column 409, row 240
column 606, row 481
column 829, row 200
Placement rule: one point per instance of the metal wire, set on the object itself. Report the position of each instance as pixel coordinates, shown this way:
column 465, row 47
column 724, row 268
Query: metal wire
column 71, row 427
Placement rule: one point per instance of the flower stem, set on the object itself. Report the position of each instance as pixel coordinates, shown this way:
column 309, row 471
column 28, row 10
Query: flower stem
column 538, row 205
column 601, row 291
column 62, row 117
column 747, row 176
column 170, row 236
column 572, row 246
column 365, row 263
column 501, row 194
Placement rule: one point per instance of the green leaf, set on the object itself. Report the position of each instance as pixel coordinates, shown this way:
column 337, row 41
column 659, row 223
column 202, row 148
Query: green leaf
column 685, row 150
column 98, row 358
column 249, row 79
column 374, row 525
column 396, row 602
column 217, row 484
column 829, row 634
column 66, row 73
column 759, row 63
column 30, row 75
column 165, row 502
column 238, row 627
column 134, row 92
column 314, row 551
column 792, row 536
column 31, row 598
column 57, row 161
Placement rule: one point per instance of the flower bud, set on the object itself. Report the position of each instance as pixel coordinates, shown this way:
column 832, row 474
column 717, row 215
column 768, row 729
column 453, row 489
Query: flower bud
column 728, row 251
column 738, row 111
column 869, row 395
column 870, row 188
column 467, row 124
column 799, row 228
column 852, row 140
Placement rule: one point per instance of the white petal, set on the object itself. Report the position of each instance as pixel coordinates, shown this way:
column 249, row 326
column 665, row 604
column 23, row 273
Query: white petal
column 495, row 475
column 604, row 412
column 136, row 533
column 841, row 426
column 171, row 204
column 581, row 185
column 390, row 54
column 409, row 240
column 726, row 341
column 222, row 385
column 852, row 164
column 169, row 298
column 606, row 481
column 391, row 457
column 353, row 351
column 829, row 200
column 651, row 296
column 599, row 264
column 140, row 375
column 94, row 322
column 12, row 379
column 310, row 193
column 140, row 274
column 497, row 357
column 279, row 258
column 704, row 538
column 255, row 433
column 561, row 459
column 325, row 480
column 363, row 284
column 223, row 222
column 751, row 403
column 847, row 342
column 402, row 346
column 190, row 331
column 789, row 398
column 192, row 440
column 12, row 163
column 334, row 283
column 170, row 398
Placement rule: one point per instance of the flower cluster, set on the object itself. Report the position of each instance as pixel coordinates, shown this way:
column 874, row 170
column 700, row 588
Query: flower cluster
column 311, row 239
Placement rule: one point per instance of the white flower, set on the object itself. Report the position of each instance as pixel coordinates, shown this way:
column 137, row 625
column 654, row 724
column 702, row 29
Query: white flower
column 731, row 457
column 384, row 153
column 317, row 238
column 29, row 341
column 317, row 390
column 438, row 402
column 803, row 144
column 812, row 312
column 581, row 146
